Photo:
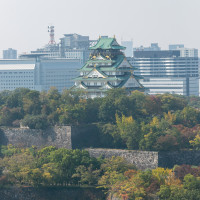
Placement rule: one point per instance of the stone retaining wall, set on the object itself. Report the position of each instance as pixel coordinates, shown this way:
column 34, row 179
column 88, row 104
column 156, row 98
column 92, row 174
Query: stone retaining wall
column 141, row 159
column 151, row 159
column 88, row 136
column 23, row 137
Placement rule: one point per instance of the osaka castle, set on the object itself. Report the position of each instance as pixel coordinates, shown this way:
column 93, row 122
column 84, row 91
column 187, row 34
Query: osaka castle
column 107, row 68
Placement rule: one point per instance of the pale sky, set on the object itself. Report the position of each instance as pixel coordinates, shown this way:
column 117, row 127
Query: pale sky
column 24, row 22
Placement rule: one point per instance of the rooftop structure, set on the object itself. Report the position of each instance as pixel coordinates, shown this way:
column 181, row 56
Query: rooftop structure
column 106, row 68
column 71, row 46
column 52, row 49
column 10, row 54
column 175, row 46
column 153, row 47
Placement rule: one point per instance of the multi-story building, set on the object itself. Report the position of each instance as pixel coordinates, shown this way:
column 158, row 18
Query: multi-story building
column 106, row 68
column 10, row 54
column 74, row 46
column 129, row 48
column 188, row 52
column 175, row 46
column 51, row 50
column 167, row 71
column 38, row 74
column 71, row 46
column 153, row 47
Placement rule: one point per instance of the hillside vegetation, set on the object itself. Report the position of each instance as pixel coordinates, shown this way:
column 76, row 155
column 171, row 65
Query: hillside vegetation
column 137, row 121
column 51, row 167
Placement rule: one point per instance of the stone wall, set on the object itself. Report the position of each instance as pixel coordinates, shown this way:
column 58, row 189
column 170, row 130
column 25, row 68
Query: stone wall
column 23, row 137
column 89, row 137
column 71, row 193
column 151, row 159
column 141, row 159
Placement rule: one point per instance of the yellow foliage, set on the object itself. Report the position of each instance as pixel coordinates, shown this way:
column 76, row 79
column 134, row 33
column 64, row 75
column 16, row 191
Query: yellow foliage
column 47, row 175
column 169, row 117
column 155, row 122
column 131, row 187
column 161, row 174
column 196, row 142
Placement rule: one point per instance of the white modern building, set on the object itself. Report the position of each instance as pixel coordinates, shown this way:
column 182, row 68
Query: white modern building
column 168, row 71
column 187, row 52
column 38, row 74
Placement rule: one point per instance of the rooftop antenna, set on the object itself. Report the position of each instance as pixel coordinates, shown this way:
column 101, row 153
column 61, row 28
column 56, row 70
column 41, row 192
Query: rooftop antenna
column 51, row 34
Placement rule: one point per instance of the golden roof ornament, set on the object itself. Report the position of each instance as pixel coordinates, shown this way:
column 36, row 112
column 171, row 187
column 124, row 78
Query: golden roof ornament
column 132, row 72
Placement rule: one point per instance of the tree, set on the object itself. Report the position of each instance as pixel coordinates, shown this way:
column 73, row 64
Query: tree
column 87, row 176
column 129, row 130
column 188, row 117
column 35, row 122
column 8, row 115
column 172, row 102
column 196, row 142
column 31, row 103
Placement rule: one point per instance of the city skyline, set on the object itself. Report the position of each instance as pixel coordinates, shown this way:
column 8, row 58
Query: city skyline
column 146, row 21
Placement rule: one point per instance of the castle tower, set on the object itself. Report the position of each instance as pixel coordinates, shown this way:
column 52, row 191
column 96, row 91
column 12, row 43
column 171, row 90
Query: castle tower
column 107, row 68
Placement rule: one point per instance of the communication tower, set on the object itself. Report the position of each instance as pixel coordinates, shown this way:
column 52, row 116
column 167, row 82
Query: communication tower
column 51, row 34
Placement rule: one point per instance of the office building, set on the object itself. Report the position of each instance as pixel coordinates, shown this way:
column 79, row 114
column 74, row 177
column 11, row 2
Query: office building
column 74, row 46
column 168, row 71
column 184, row 52
column 106, row 68
column 175, row 46
column 188, row 52
column 10, row 54
column 38, row 73
column 71, row 46
column 129, row 48
column 153, row 47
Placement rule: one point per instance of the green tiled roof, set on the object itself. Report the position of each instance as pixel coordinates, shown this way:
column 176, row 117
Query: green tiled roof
column 107, row 43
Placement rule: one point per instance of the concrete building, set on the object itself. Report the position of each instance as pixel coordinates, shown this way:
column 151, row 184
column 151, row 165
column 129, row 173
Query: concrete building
column 52, row 51
column 129, row 48
column 167, row 71
column 74, row 46
column 153, row 47
column 188, row 52
column 10, row 54
column 175, row 46
column 38, row 74
column 184, row 52
column 71, row 46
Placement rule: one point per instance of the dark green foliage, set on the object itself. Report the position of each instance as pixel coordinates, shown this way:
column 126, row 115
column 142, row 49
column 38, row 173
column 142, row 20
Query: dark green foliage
column 35, row 121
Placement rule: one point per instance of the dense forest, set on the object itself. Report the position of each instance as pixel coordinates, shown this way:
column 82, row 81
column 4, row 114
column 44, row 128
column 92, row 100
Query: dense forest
column 136, row 121
column 51, row 167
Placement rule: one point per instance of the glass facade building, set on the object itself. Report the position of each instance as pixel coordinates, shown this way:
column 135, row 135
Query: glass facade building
column 167, row 72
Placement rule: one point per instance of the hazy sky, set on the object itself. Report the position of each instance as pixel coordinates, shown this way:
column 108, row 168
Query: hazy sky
column 24, row 22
